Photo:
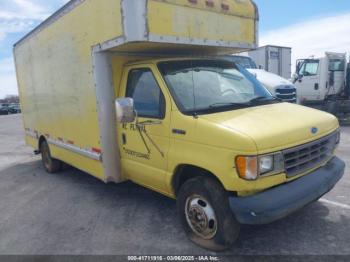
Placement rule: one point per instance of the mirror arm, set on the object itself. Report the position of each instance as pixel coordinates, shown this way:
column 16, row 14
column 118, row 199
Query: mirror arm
column 136, row 118
column 140, row 128
column 154, row 143
column 143, row 139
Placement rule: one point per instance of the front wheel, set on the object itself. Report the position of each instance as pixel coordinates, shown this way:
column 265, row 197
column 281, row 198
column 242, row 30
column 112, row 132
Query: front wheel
column 50, row 164
column 205, row 214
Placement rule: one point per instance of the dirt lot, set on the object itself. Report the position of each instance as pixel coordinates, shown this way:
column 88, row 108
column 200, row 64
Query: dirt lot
column 73, row 213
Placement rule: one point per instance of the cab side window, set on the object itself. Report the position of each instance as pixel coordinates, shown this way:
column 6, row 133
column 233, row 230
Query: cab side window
column 148, row 98
column 309, row 68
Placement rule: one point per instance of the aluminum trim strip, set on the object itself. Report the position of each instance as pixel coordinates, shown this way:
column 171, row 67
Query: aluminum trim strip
column 106, row 112
column 76, row 149
column 197, row 41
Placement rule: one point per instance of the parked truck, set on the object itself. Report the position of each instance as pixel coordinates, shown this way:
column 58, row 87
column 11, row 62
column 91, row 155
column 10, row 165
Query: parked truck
column 274, row 59
column 277, row 85
column 133, row 90
column 323, row 83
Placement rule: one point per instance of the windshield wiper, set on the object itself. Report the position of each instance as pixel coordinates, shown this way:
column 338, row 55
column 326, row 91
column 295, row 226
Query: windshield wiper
column 264, row 99
column 223, row 104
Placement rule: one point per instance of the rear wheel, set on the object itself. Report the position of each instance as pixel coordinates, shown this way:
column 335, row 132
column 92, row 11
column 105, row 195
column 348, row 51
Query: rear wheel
column 205, row 214
column 50, row 164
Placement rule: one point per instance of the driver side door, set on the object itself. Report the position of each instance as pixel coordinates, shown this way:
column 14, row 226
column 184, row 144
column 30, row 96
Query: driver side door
column 309, row 85
column 145, row 142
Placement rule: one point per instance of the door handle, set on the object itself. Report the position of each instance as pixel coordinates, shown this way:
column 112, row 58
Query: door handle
column 124, row 138
column 316, row 86
column 179, row 131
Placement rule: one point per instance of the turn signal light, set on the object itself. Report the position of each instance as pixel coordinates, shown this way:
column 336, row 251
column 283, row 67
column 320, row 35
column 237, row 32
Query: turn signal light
column 247, row 167
column 253, row 167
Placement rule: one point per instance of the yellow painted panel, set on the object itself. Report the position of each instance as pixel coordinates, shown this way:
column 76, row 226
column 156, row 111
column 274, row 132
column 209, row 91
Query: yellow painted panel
column 183, row 21
column 272, row 133
column 235, row 7
column 92, row 167
column 217, row 160
column 31, row 141
column 55, row 76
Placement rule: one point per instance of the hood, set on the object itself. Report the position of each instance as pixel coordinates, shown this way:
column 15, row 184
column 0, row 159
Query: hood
column 268, row 79
column 277, row 126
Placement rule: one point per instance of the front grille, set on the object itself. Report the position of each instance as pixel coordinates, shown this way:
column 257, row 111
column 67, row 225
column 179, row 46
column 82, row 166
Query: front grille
column 287, row 94
column 300, row 159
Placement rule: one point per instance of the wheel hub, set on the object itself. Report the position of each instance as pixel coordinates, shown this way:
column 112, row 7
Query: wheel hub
column 201, row 217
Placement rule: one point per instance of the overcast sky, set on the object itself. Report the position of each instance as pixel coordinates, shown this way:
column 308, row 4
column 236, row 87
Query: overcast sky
column 310, row 27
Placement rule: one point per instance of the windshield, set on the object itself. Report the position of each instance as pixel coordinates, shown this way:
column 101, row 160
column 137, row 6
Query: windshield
column 336, row 65
column 243, row 61
column 204, row 86
column 309, row 68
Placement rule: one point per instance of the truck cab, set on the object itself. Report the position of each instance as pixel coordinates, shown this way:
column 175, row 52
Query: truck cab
column 278, row 86
column 190, row 126
column 319, row 79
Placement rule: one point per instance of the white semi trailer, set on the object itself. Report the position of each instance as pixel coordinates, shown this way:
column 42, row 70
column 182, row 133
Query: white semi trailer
column 323, row 82
column 274, row 59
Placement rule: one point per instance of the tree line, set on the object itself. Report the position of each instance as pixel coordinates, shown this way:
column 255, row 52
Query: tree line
column 10, row 99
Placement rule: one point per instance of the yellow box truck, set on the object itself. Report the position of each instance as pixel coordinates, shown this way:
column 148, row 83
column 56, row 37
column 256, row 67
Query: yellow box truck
column 132, row 90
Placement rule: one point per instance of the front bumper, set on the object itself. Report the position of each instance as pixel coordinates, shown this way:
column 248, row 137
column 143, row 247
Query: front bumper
column 280, row 201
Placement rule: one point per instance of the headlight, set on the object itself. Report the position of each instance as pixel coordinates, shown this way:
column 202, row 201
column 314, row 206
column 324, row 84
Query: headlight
column 265, row 164
column 251, row 167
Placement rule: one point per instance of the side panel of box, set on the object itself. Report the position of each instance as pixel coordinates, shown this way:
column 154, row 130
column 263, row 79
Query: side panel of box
column 56, row 82
column 200, row 26
column 286, row 63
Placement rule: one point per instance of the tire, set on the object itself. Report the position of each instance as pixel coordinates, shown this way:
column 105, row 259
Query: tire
column 203, row 203
column 50, row 164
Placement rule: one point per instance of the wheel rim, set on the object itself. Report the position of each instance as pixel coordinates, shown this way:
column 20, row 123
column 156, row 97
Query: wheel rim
column 200, row 216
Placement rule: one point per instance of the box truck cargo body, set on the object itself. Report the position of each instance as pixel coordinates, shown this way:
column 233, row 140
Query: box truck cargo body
column 274, row 59
column 133, row 90
column 67, row 65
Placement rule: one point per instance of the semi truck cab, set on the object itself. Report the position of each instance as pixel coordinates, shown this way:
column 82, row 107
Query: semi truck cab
column 320, row 78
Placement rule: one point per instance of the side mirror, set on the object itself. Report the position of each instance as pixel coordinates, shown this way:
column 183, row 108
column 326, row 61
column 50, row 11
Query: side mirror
column 297, row 77
column 125, row 110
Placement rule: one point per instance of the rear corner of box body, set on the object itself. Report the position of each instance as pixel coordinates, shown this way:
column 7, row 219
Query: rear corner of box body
column 106, row 115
